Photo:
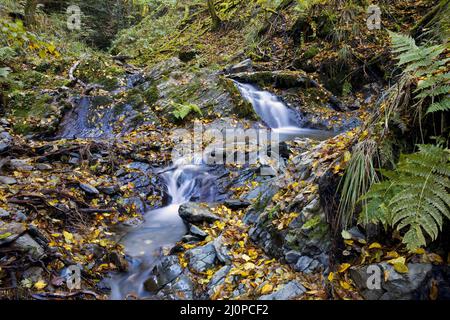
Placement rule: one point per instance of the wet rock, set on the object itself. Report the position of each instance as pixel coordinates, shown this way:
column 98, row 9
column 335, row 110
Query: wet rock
column 7, row 180
column 197, row 213
column 5, row 141
column 292, row 256
column 137, row 203
column 396, row 286
column 89, row 189
column 307, row 265
column 237, row 204
column 119, row 261
column 202, row 258
column 167, row 270
column 181, row 288
column 197, row 232
column 289, row 291
column 10, row 232
column 151, row 285
column 27, row 244
column 218, row 279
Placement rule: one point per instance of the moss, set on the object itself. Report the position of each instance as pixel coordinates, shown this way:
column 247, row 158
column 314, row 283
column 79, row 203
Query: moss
column 151, row 95
column 311, row 53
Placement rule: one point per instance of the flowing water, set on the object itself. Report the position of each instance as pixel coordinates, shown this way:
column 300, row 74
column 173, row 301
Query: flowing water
column 162, row 227
column 189, row 180
column 277, row 115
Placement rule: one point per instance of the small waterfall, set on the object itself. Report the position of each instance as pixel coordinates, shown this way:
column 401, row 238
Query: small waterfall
column 277, row 115
column 185, row 181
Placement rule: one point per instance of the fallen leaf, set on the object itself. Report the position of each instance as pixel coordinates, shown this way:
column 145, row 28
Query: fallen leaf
column 267, row 288
column 40, row 285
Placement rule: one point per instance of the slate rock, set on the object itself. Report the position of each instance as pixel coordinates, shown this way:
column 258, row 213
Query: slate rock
column 202, row 258
column 289, row 291
column 196, row 213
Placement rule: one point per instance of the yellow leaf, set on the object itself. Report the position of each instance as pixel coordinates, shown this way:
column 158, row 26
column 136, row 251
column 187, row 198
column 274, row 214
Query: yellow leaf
column 401, row 268
column 267, row 288
column 344, row 267
column 401, row 260
column 40, row 285
column 345, row 285
column 375, row 245
column 331, row 276
column 68, row 236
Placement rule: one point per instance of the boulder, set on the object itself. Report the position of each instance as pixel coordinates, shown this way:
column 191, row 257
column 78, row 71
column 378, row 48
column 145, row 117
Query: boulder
column 202, row 258
column 288, row 291
column 393, row 285
column 197, row 213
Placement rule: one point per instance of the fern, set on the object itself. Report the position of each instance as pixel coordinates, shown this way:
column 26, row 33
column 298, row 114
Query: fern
column 415, row 197
column 181, row 111
column 423, row 64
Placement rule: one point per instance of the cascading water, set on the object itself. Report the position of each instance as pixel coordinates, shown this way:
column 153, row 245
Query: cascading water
column 277, row 115
column 189, row 180
column 162, row 227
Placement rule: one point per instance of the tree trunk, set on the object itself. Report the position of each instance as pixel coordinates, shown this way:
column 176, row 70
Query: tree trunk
column 216, row 22
column 30, row 12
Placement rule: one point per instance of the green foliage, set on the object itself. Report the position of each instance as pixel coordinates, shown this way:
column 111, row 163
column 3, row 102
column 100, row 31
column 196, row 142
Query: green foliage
column 359, row 177
column 415, row 197
column 14, row 35
column 181, row 111
column 424, row 64
column 4, row 72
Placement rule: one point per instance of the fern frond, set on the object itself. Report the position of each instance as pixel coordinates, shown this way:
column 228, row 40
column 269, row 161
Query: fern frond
column 419, row 198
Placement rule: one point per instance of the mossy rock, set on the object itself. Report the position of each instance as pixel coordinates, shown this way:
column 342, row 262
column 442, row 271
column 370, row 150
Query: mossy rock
column 242, row 108
column 277, row 79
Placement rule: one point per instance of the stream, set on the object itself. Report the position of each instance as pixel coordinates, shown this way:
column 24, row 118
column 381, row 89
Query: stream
column 186, row 180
